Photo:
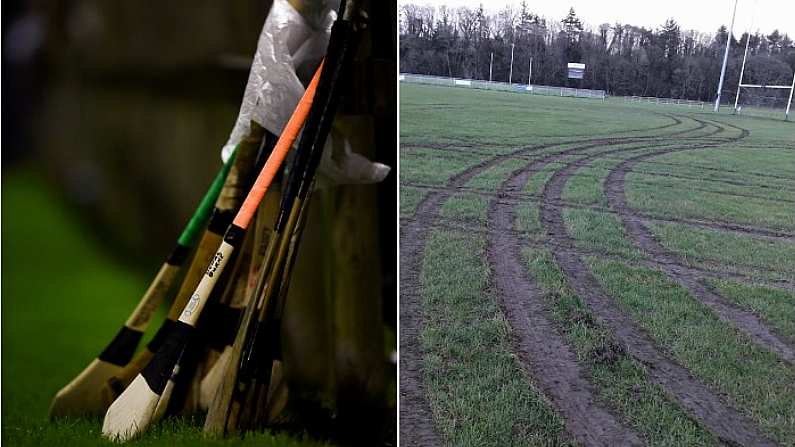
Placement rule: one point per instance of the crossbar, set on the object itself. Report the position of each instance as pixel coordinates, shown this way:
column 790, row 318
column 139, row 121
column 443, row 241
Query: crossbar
column 787, row 87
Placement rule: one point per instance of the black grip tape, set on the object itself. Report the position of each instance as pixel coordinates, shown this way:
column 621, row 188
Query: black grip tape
column 268, row 349
column 234, row 236
column 179, row 255
column 159, row 369
column 221, row 325
column 161, row 335
column 220, row 220
column 122, row 348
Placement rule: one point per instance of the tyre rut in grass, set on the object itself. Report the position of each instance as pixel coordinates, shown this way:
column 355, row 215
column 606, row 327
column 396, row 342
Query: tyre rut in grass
column 643, row 238
column 698, row 399
column 416, row 426
column 424, row 216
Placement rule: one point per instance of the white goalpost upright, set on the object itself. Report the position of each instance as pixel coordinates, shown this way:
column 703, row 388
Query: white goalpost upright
column 789, row 101
column 725, row 58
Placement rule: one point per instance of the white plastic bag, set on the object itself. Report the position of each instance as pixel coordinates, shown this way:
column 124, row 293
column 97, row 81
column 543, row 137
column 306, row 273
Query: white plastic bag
column 289, row 49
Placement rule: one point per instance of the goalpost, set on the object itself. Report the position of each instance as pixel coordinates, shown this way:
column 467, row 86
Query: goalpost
column 771, row 99
column 762, row 100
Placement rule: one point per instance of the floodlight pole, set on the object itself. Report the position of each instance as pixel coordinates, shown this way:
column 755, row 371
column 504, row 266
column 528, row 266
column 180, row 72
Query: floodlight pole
column 742, row 71
column 789, row 101
column 725, row 57
column 510, row 72
column 530, row 73
column 491, row 65
column 449, row 69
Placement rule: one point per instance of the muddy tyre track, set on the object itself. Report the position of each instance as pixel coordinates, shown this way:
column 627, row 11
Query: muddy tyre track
column 541, row 348
column 761, row 232
column 643, row 238
column 698, row 399
column 477, row 227
column 416, row 423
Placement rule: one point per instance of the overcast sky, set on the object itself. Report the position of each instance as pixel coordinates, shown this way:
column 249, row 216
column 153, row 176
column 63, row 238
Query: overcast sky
column 701, row 15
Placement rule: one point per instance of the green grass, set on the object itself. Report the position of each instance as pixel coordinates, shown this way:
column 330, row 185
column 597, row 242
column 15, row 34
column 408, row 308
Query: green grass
column 758, row 166
column 702, row 244
column 485, row 116
column 775, row 306
column 493, row 178
column 599, row 231
column 466, row 206
column 527, row 219
column 724, row 186
column 478, row 393
column 64, row 298
column 431, row 167
column 682, row 203
column 734, row 161
column 537, row 181
column 409, row 199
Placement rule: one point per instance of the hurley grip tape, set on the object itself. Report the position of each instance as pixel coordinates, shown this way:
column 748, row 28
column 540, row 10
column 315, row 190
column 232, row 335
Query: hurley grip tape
column 220, row 220
column 221, row 325
column 160, row 368
column 122, row 347
column 161, row 335
column 179, row 255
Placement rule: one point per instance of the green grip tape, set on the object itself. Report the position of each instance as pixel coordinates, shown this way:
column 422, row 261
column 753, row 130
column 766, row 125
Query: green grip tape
column 200, row 217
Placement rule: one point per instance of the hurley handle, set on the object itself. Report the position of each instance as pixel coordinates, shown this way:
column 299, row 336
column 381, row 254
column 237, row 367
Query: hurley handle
column 235, row 233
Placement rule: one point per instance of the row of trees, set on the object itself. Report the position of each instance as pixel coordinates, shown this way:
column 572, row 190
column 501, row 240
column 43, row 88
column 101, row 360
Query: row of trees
column 620, row 58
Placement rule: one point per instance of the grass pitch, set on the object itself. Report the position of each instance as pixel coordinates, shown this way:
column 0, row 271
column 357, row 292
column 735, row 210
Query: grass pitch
column 655, row 237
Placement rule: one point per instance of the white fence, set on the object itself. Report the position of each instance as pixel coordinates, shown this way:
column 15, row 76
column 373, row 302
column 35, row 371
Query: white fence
column 665, row 101
column 503, row 86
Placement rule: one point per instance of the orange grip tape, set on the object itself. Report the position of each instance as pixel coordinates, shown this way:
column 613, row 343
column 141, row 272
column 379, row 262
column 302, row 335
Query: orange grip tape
column 279, row 153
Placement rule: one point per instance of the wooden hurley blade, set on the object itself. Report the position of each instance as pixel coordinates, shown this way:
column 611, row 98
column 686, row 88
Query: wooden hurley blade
column 133, row 411
column 135, row 408
column 84, row 394
column 114, row 385
column 126, row 419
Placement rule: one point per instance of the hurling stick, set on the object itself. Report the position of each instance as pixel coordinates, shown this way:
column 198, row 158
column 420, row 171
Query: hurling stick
column 181, row 395
column 265, row 342
column 225, row 206
column 132, row 412
column 266, row 215
column 236, row 402
column 274, row 398
column 225, row 404
column 232, row 392
column 83, row 395
column 224, row 418
column 218, row 323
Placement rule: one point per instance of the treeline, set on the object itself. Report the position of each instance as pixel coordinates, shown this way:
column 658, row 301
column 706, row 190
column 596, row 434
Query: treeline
column 620, row 58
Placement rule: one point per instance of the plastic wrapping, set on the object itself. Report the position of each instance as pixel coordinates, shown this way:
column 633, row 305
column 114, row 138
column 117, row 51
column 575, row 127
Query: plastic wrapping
column 340, row 165
column 289, row 48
